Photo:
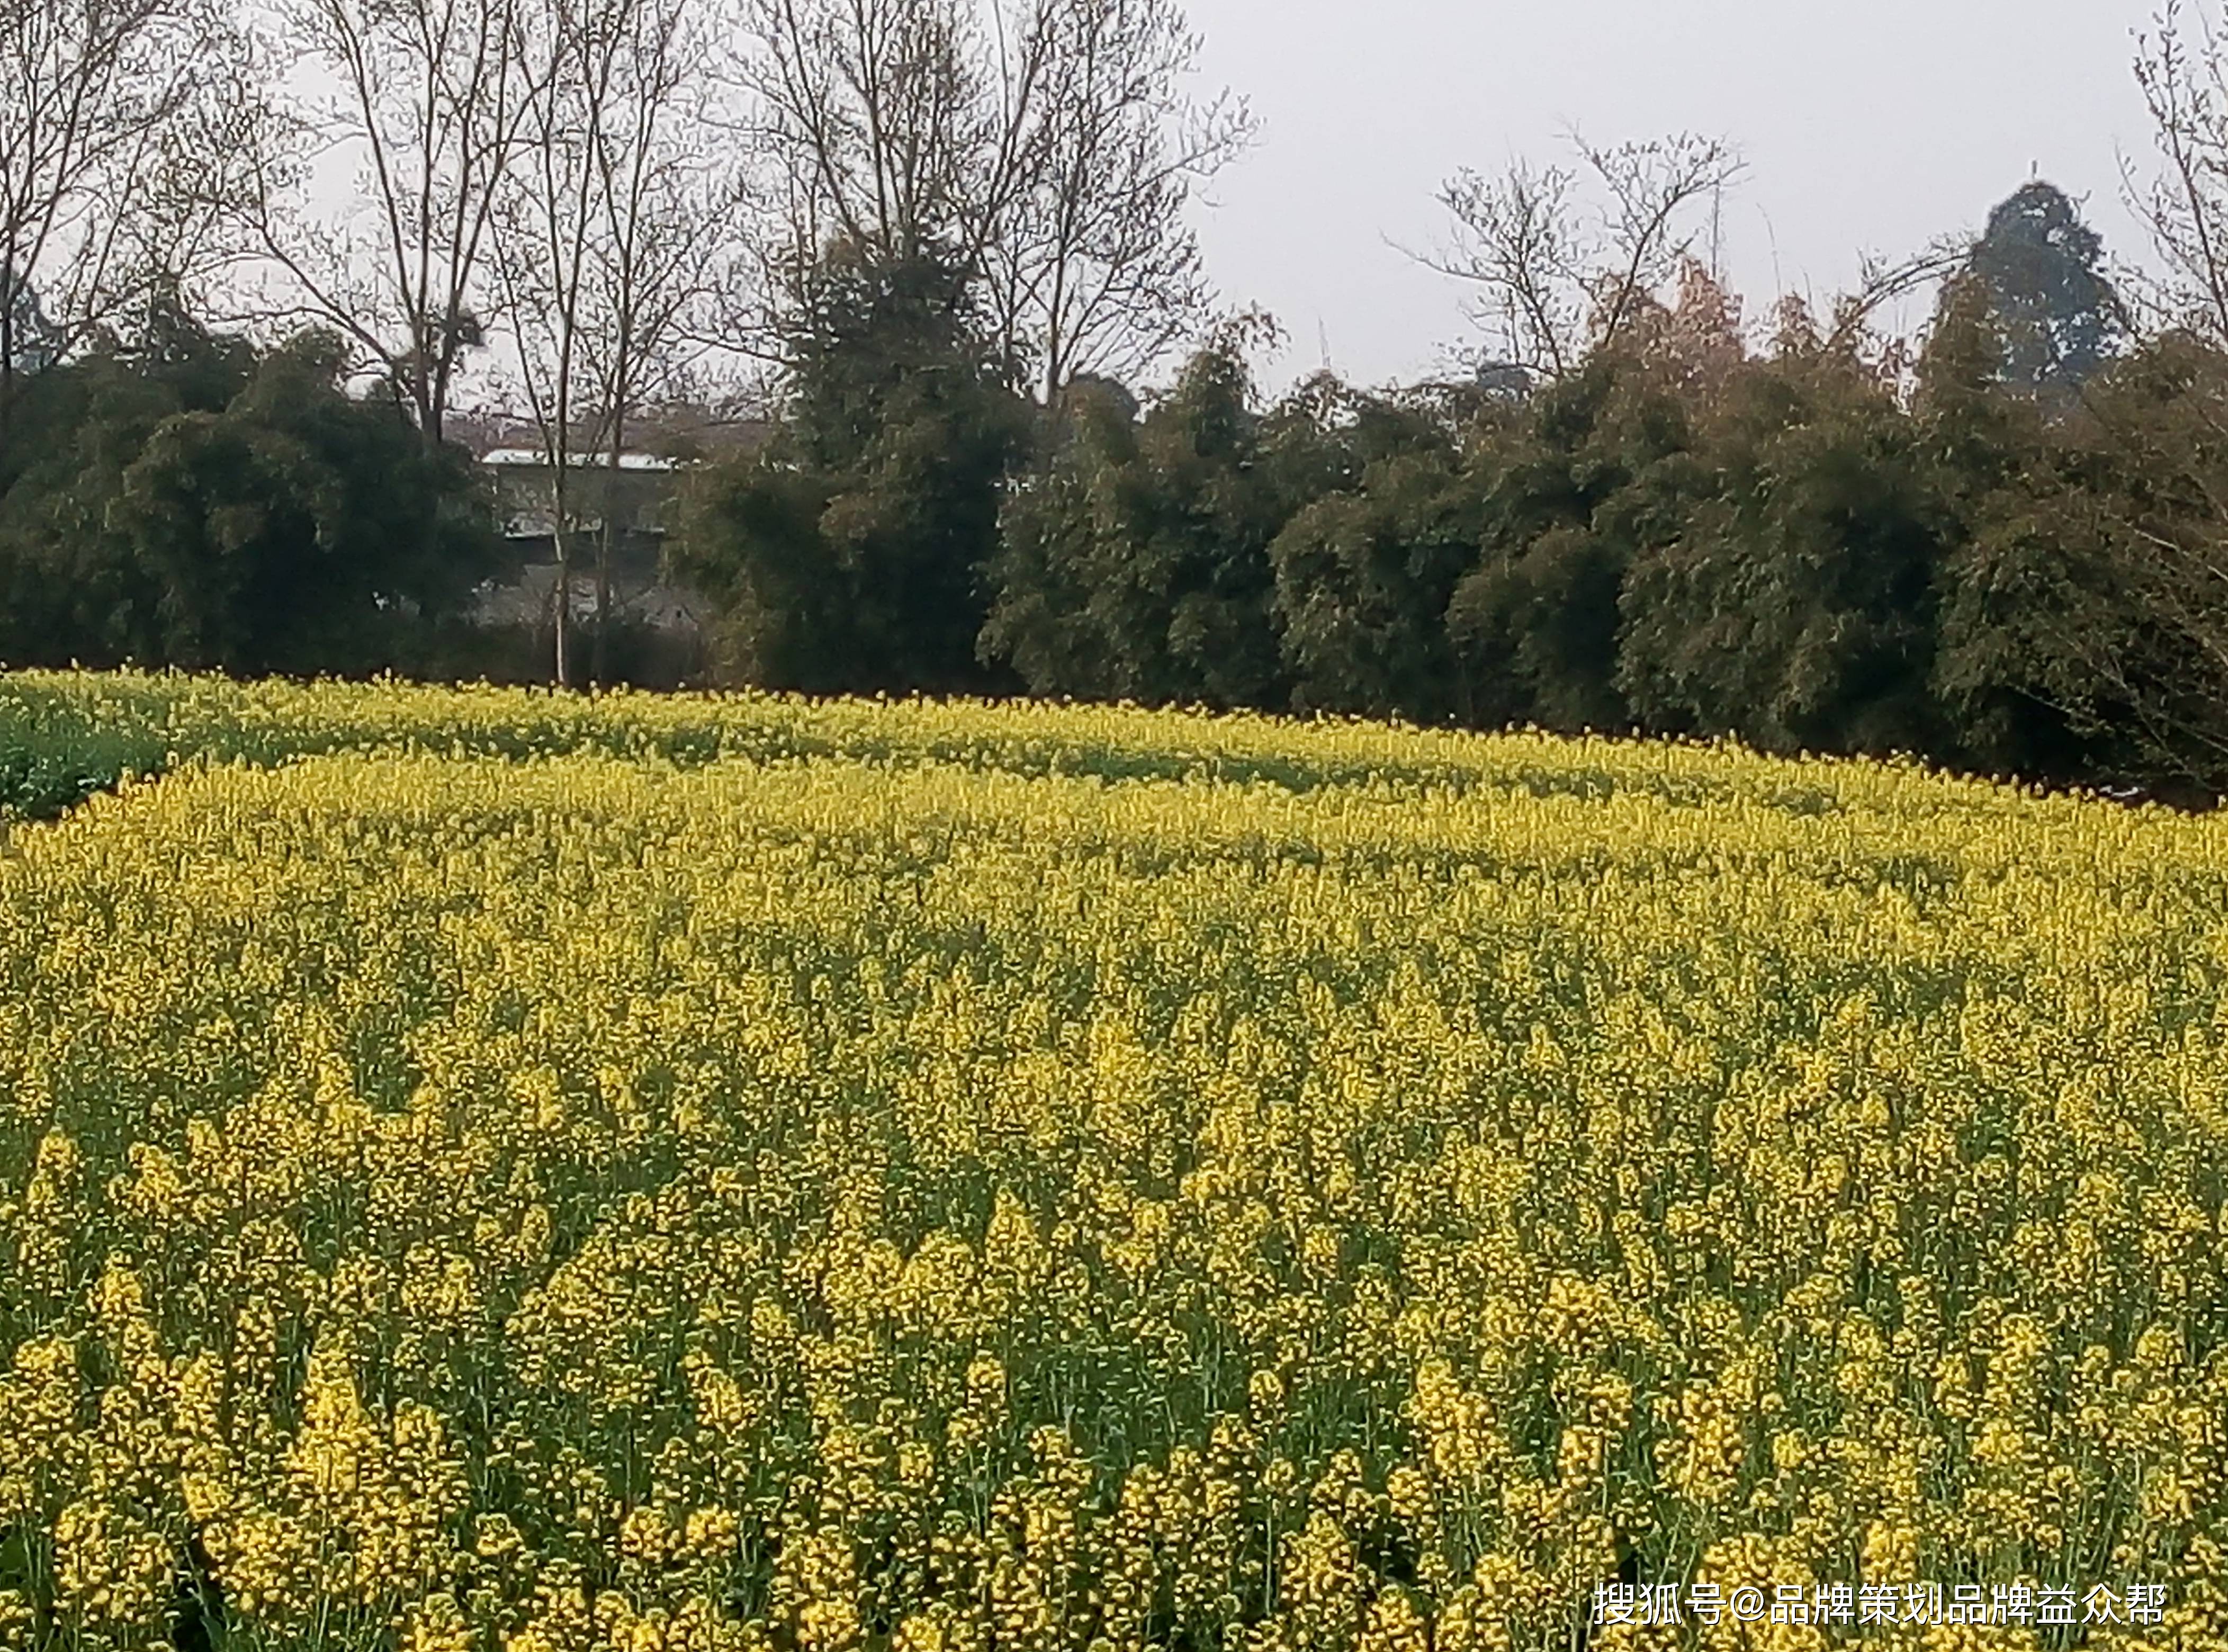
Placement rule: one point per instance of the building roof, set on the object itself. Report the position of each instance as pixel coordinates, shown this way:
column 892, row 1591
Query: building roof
column 530, row 457
column 676, row 428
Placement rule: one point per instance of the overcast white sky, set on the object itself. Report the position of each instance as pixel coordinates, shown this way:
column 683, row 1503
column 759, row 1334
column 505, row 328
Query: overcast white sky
column 1866, row 124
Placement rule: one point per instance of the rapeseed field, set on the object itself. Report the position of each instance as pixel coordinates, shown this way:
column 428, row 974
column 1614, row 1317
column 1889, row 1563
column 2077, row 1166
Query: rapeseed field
column 485, row 1172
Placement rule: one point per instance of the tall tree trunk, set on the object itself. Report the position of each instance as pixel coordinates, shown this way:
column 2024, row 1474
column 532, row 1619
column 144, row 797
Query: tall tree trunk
column 606, row 544
column 429, row 522
column 561, row 595
column 562, row 538
column 9, row 290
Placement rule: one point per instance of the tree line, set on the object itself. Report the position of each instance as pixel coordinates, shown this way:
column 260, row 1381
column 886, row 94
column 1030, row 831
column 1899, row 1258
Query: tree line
column 579, row 209
column 1017, row 444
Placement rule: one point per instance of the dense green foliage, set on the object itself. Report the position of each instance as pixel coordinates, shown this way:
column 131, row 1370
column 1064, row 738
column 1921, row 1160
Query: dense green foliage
column 844, row 554
column 1998, row 553
column 1134, row 562
column 1991, row 554
column 2041, row 267
column 196, row 502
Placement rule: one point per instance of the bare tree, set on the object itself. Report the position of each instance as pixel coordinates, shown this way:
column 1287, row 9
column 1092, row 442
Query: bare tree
column 894, row 125
column 2183, row 72
column 672, row 205
column 430, row 98
column 546, row 218
column 1099, row 272
column 1042, row 148
column 94, row 96
column 610, row 220
column 1569, row 258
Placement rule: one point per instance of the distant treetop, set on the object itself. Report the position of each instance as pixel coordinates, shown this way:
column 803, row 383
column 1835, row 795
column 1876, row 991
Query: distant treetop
column 2058, row 314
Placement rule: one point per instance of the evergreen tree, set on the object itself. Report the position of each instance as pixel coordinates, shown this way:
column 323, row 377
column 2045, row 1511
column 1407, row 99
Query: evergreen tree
column 2021, row 574
column 846, row 555
column 1134, row 562
column 289, row 531
column 1597, row 465
column 2057, row 317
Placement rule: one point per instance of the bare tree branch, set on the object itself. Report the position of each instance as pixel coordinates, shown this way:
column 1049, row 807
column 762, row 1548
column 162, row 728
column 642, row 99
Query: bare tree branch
column 1099, row 272
column 2185, row 205
column 431, row 97
column 1564, row 268
column 95, row 98
column 1043, row 148
column 610, row 228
